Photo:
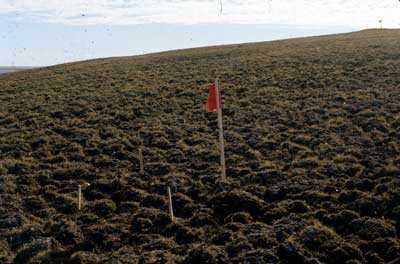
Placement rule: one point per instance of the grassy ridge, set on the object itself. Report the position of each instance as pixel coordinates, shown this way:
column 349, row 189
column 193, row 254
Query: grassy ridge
column 312, row 146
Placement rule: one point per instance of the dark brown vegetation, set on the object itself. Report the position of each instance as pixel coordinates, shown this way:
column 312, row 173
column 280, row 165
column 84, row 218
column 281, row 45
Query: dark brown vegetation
column 312, row 145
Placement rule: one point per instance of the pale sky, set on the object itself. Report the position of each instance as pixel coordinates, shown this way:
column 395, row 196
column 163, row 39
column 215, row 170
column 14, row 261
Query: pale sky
column 43, row 32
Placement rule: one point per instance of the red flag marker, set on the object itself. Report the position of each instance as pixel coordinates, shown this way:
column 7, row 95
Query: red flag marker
column 211, row 104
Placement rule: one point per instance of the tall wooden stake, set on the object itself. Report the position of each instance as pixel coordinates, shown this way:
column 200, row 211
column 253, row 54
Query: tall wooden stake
column 221, row 131
column 79, row 197
column 171, row 209
column 141, row 161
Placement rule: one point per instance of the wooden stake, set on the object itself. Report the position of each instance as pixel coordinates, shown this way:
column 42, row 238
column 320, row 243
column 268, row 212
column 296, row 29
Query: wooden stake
column 79, row 197
column 141, row 161
column 171, row 210
column 221, row 131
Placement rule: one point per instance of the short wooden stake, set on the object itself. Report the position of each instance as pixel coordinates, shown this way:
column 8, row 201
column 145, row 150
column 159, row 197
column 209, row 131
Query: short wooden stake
column 79, row 197
column 141, row 161
column 171, row 210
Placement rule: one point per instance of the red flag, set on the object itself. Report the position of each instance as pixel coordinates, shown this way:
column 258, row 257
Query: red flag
column 211, row 105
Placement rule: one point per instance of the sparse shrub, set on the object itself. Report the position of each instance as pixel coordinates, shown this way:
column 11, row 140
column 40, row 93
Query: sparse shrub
column 315, row 197
column 156, row 201
column 184, row 206
column 240, row 217
column 202, row 219
column 274, row 213
column 340, row 221
column 317, row 237
column 88, row 219
column 104, row 207
column 151, row 221
column 82, row 257
column 373, row 258
column 206, row 254
column 34, row 203
column 291, row 252
column 25, row 235
column 30, row 250
column 158, row 169
column 125, row 194
column 105, row 237
column 229, row 202
column 157, row 256
column 257, row 256
column 20, row 168
column 128, row 207
column 365, row 207
column 372, row 228
column 238, row 247
column 186, row 235
column 221, row 236
column 67, row 233
column 64, row 204
column 308, row 163
column 298, row 207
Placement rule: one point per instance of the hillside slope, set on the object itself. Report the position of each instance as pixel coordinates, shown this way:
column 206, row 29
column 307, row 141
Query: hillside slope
column 312, row 130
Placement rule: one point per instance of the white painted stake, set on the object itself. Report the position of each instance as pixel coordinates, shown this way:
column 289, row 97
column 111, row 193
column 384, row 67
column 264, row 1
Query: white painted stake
column 221, row 131
column 80, row 194
column 171, row 209
column 141, row 161
column 79, row 197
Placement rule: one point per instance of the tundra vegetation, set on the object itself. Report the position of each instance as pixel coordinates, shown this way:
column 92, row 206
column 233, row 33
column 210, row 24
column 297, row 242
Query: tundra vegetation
column 312, row 130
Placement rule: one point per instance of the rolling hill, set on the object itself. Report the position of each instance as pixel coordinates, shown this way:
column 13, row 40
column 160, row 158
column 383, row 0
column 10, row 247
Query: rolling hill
column 13, row 69
column 312, row 131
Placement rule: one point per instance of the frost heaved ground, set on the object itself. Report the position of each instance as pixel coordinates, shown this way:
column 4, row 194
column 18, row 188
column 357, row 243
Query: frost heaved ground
column 312, row 129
